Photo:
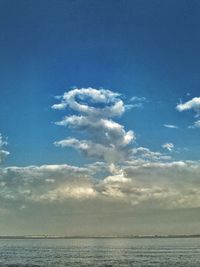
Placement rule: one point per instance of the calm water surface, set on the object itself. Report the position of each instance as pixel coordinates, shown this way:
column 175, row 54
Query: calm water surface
column 146, row 252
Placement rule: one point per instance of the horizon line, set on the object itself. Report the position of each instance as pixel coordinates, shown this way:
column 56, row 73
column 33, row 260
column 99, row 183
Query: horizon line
column 45, row 236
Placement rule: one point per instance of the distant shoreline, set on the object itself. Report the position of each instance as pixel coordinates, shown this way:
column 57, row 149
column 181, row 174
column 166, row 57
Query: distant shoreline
column 99, row 237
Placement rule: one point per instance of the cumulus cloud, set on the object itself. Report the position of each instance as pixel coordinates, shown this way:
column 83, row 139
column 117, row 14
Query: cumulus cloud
column 171, row 126
column 168, row 146
column 108, row 140
column 193, row 104
column 3, row 153
column 78, row 99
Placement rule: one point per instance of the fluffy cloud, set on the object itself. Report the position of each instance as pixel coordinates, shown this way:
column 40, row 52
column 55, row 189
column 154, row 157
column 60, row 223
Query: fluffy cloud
column 108, row 140
column 3, row 153
column 193, row 104
column 168, row 146
column 80, row 100
column 107, row 131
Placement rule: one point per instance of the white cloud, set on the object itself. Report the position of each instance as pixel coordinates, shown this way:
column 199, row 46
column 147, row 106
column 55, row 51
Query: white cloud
column 3, row 153
column 107, row 131
column 171, row 126
column 84, row 100
column 168, row 146
column 193, row 104
column 108, row 140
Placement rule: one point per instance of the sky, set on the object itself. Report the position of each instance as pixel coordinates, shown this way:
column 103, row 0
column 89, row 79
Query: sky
column 99, row 117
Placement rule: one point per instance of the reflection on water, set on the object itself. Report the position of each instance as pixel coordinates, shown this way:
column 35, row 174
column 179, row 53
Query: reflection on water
column 161, row 252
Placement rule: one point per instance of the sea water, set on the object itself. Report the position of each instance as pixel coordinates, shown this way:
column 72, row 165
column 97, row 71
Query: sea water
column 145, row 252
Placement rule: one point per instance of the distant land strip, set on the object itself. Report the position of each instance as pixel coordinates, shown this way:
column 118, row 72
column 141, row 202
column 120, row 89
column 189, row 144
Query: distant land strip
column 95, row 237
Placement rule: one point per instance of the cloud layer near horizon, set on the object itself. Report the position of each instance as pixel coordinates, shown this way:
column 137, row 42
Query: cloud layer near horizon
column 139, row 183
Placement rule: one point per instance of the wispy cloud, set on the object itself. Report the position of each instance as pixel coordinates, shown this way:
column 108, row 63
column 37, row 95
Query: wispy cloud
column 143, row 153
column 138, row 102
column 196, row 124
column 170, row 126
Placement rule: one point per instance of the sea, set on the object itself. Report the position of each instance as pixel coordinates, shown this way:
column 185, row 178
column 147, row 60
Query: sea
column 107, row 252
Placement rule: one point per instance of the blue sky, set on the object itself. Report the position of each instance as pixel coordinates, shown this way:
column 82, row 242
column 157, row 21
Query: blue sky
column 137, row 48
column 147, row 51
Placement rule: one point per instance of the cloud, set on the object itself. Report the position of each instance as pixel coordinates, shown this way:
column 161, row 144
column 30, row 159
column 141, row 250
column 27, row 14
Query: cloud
column 139, row 183
column 107, row 131
column 143, row 153
column 171, row 183
column 108, row 139
column 138, row 102
column 84, row 100
column 33, row 184
column 193, row 104
column 168, row 146
column 171, row 126
column 195, row 125
column 3, row 153
column 95, row 150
